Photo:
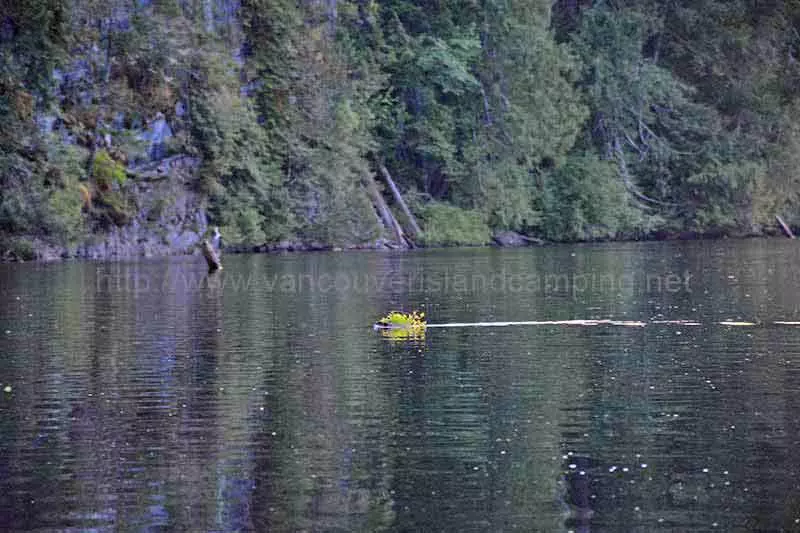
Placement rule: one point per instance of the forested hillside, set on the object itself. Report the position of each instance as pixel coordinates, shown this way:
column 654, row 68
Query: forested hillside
column 147, row 121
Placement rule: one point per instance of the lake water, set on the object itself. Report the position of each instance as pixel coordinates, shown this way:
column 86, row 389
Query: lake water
column 145, row 396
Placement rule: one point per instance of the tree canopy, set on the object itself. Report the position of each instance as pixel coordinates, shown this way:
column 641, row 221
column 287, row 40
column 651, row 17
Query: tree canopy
column 572, row 120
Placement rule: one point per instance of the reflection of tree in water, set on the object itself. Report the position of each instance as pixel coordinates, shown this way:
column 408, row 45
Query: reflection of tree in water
column 112, row 373
column 144, row 411
column 318, row 460
column 148, row 426
column 200, row 434
column 121, row 398
column 578, row 491
column 477, row 433
column 681, row 430
column 38, row 461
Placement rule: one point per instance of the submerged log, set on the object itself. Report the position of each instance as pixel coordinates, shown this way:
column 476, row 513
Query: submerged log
column 415, row 229
column 785, row 227
column 212, row 258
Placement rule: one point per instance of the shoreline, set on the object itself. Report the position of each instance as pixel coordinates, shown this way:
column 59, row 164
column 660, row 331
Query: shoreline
column 56, row 254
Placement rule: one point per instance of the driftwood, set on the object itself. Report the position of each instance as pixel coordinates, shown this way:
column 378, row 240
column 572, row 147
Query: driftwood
column 212, row 258
column 512, row 239
column 383, row 210
column 785, row 227
column 415, row 229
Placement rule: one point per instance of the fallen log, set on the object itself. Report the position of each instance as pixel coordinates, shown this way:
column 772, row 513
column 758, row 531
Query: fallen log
column 383, row 210
column 514, row 239
column 415, row 229
column 785, row 227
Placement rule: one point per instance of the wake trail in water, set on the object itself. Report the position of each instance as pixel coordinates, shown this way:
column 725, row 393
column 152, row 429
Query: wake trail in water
column 629, row 323
column 607, row 322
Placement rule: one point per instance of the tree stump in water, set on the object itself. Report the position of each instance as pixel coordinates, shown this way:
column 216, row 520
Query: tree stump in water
column 212, row 258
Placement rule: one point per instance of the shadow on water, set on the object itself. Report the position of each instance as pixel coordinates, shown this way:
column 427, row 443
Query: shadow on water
column 148, row 396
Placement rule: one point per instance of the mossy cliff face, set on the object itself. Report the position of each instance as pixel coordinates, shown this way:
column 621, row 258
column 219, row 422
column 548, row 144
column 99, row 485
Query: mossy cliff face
column 159, row 215
column 108, row 200
column 96, row 158
column 145, row 120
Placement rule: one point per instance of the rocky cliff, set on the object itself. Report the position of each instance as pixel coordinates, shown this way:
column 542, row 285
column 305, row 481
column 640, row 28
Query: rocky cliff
column 110, row 159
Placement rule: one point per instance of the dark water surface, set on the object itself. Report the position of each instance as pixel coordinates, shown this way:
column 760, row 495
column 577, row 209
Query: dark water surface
column 145, row 398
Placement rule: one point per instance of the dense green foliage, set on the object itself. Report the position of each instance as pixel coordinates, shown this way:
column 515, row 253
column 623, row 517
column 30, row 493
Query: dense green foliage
column 447, row 225
column 571, row 120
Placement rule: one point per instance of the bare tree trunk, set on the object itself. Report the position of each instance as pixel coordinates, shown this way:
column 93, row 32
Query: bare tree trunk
column 626, row 178
column 402, row 203
column 383, row 210
column 487, row 113
column 785, row 227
